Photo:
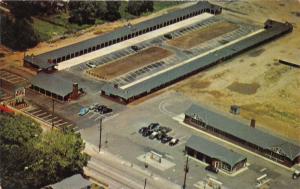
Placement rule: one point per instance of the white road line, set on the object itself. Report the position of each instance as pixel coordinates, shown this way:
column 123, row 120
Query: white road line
column 111, row 117
column 38, row 110
column 39, row 115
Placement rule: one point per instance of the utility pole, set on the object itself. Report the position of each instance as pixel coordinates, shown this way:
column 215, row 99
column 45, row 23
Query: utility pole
column 145, row 183
column 100, row 134
column 52, row 113
column 186, row 170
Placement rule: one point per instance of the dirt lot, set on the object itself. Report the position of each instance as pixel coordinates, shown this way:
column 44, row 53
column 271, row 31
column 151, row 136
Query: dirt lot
column 265, row 90
column 131, row 62
column 199, row 36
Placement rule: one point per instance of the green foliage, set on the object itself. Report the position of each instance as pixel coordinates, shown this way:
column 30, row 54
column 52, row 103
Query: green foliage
column 86, row 12
column 113, row 12
column 17, row 34
column 138, row 7
column 32, row 159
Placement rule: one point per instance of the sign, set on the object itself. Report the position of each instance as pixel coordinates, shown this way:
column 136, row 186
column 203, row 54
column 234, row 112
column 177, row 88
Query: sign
column 20, row 92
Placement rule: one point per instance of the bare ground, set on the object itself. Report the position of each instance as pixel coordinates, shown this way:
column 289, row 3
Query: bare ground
column 265, row 90
column 199, row 36
column 129, row 63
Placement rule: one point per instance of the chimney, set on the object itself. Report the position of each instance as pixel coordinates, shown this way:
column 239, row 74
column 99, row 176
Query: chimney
column 75, row 92
column 252, row 123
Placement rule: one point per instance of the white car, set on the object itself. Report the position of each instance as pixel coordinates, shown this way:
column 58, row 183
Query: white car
column 153, row 135
column 91, row 65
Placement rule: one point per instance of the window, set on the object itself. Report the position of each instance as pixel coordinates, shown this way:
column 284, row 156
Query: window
column 81, row 52
column 85, row 51
column 94, row 48
column 109, row 43
column 102, row 45
column 89, row 49
column 63, row 58
column 114, row 41
column 98, row 47
column 68, row 57
column 72, row 55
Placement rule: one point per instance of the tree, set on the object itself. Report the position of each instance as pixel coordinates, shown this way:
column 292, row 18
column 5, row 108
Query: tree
column 17, row 34
column 113, row 13
column 138, row 7
column 86, row 12
column 33, row 159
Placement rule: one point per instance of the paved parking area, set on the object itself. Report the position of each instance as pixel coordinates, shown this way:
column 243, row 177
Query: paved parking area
column 11, row 77
column 47, row 117
column 121, row 134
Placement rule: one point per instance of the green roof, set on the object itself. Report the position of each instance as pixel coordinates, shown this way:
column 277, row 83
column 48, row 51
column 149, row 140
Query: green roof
column 214, row 150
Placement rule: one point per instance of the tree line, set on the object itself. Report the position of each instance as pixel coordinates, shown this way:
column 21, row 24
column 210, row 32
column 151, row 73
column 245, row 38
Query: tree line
column 31, row 159
column 17, row 30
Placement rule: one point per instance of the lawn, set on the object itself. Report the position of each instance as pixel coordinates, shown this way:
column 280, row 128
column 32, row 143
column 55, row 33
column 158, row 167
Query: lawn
column 56, row 25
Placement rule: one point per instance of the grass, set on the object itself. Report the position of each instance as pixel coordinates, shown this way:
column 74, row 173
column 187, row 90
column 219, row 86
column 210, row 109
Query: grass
column 57, row 25
column 47, row 30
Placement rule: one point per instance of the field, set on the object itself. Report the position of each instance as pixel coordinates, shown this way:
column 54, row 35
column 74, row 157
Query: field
column 264, row 89
column 131, row 62
column 199, row 36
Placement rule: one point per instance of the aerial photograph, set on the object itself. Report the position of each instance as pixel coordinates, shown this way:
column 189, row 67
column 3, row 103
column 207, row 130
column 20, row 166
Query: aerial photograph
column 132, row 94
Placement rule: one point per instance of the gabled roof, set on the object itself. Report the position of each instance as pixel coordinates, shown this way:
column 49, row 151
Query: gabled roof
column 214, row 150
column 54, row 84
column 243, row 131
column 73, row 182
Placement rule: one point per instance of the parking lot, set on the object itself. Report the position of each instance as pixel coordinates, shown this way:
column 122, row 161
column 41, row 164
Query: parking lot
column 11, row 77
column 49, row 118
column 179, row 56
column 121, row 134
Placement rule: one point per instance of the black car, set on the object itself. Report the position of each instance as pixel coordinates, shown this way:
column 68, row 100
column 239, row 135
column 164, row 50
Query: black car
column 147, row 132
column 154, row 126
column 166, row 139
column 165, row 129
column 212, row 169
column 160, row 135
column 103, row 109
column 143, row 129
column 135, row 48
column 168, row 36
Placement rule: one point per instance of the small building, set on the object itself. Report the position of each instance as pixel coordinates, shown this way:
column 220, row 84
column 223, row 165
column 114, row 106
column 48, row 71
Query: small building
column 214, row 154
column 73, row 182
column 244, row 135
column 55, row 87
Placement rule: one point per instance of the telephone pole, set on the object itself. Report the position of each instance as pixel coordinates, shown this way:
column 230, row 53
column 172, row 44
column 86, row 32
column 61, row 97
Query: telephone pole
column 145, row 183
column 100, row 134
column 186, row 170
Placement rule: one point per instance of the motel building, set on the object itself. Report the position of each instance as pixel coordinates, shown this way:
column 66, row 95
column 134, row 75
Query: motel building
column 215, row 155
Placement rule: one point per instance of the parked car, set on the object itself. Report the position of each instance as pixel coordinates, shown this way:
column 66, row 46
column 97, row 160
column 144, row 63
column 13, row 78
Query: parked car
column 296, row 174
column 174, row 141
column 135, row 48
column 154, row 126
column 91, row 65
column 93, row 106
column 83, row 111
column 153, row 135
column 168, row 36
column 160, row 135
column 165, row 129
column 212, row 169
column 103, row 109
column 142, row 130
column 147, row 132
column 166, row 139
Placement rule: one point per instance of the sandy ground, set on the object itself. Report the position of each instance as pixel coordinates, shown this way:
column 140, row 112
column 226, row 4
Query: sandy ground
column 129, row 63
column 199, row 36
column 265, row 89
